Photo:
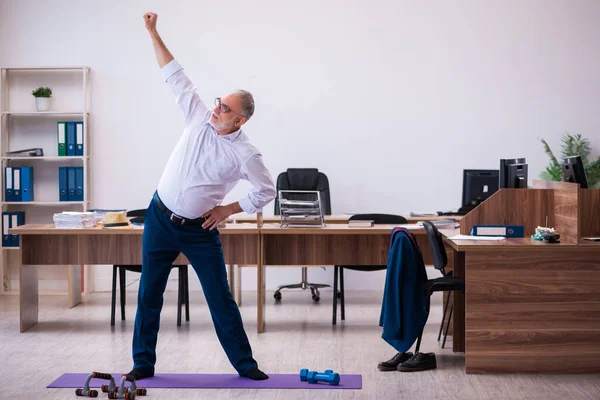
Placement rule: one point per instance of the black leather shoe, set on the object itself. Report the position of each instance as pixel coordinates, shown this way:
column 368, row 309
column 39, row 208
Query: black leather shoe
column 418, row 362
column 141, row 373
column 392, row 363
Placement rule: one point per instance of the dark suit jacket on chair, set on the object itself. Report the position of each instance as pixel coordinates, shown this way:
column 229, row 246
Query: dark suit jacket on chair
column 404, row 310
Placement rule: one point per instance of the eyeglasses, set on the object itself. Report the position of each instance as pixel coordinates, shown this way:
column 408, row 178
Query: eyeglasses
column 224, row 108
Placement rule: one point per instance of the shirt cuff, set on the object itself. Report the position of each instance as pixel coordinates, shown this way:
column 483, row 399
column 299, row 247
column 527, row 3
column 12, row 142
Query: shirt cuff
column 247, row 205
column 169, row 69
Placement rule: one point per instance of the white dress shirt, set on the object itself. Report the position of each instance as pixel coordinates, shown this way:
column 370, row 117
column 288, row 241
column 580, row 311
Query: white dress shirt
column 205, row 166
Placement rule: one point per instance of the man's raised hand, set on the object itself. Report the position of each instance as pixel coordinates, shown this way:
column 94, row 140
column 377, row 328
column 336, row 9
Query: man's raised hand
column 150, row 21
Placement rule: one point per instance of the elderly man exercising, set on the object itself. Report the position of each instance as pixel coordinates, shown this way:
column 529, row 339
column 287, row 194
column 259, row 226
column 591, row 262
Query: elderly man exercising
column 212, row 155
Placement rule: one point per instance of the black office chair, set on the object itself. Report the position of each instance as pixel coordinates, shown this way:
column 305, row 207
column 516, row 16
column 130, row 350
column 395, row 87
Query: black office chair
column 304, row 179
column 183, row 298
column 339, row 269
column 447, row 282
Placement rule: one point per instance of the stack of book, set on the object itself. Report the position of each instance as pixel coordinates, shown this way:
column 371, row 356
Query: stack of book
column 367, row 223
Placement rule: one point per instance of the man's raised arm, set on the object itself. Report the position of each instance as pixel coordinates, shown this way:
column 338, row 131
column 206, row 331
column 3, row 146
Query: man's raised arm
column 182, row 87
column 163, row 55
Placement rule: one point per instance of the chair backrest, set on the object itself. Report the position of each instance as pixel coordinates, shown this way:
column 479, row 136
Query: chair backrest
column 379, row 218
column 137, row 216
column 440, row 259
column 304, row 179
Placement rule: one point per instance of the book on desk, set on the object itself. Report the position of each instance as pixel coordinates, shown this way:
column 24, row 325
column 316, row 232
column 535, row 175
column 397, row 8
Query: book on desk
column 367, row 223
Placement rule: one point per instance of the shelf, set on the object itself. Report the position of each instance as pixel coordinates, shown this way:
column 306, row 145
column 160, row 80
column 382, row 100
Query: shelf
column 36, row 113
column 47, row 69
column 43, row 203
column 23, row 126
column 47, row 158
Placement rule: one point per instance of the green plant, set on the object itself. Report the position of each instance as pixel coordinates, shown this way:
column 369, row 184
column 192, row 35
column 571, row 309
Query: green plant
column 42, row 92
column 572, row 145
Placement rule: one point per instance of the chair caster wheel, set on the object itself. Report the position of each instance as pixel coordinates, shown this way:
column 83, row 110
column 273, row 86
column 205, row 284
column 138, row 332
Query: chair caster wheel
column 316, row 298
column 277, row 296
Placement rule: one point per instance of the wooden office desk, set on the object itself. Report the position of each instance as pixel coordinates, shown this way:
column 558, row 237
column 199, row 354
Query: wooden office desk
column 333, row 245
column 335, row 220
column 329, row 219
column 46, row 245
column 243, row 244
column 530, row 306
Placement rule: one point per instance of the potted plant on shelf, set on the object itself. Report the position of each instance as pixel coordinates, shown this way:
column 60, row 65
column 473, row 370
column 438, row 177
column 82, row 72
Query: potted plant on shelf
column 572, row 145
column 42, row 98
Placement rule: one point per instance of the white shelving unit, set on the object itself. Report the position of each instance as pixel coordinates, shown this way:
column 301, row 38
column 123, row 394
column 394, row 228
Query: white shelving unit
column 72, row 93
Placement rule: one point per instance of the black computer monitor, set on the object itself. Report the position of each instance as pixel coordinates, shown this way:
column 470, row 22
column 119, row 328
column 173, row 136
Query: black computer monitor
column 478, row 185
column 506, row 181
column 573, row 171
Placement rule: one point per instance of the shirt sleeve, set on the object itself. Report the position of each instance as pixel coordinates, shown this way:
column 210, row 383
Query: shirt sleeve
column 263, row 189
column 186, row 97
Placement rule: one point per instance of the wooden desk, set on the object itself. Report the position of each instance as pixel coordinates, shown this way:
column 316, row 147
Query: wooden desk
column 530, row 306
column 243, row 244
column 329, row 219
column 46, row 245
column 332, row 245
column 335, row 220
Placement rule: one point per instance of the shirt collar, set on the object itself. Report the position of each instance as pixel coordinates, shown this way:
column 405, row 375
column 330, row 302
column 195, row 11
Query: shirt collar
column 232, row 137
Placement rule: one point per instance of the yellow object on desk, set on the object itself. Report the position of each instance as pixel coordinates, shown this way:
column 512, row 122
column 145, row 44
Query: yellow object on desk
column 116, row 220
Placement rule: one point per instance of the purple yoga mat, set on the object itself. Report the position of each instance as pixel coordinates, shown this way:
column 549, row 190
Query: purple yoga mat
column 212, row 381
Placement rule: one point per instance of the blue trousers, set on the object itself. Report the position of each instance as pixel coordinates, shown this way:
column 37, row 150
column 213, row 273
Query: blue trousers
column 162, row 242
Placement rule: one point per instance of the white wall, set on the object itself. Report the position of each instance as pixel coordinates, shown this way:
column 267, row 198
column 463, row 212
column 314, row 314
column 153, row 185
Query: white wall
column 391, row 99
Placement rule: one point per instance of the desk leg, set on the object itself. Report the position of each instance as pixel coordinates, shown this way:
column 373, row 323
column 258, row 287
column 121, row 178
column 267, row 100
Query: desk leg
column 88, row 281
column 260, row 289
column 231, row 279
column 238, row 284
column 5, row 271
column 234, row 276
column 28, row 295
column 74, row 285
column 458, row 323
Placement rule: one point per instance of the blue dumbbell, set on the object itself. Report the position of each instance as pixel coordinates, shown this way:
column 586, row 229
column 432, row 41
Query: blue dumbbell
column 304, row 374
column 333, row 378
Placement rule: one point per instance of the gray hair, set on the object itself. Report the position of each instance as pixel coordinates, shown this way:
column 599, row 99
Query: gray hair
column 247, row 103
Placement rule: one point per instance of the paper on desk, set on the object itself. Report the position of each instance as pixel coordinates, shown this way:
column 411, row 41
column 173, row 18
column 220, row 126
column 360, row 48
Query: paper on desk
column 74, row 219
column 468, row 237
